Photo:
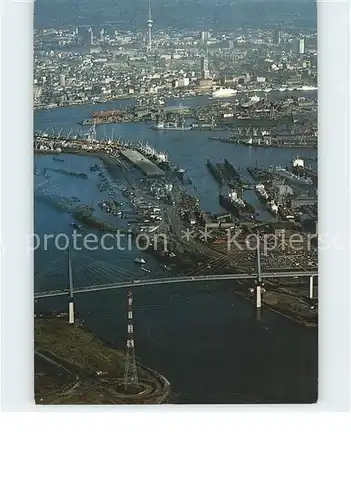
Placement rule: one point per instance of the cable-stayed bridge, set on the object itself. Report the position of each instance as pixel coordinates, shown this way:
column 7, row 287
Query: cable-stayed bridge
column 178, row 279
column 86, row 274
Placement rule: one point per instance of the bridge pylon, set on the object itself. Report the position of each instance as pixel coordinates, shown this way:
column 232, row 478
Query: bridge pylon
column 70, row 296
column 259, row 275
column 310, row 295
column 130, row 368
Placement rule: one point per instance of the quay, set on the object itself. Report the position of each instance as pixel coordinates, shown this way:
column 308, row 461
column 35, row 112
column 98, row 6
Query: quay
column 106, row 150
column 271, row 142
column 43, row 143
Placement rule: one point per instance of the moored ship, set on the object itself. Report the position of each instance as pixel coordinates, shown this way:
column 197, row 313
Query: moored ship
column 297, row 179
column 172, row 126
column 224, row 92
column 265, row 199
column 230, row 200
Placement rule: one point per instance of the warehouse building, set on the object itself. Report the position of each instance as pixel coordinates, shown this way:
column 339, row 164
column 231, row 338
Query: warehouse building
column 147, row 167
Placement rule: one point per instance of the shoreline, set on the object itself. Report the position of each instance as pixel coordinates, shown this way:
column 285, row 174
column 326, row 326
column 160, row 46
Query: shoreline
column 85, row 369
column 295, row 319
column 197, row 93
column 279, row 310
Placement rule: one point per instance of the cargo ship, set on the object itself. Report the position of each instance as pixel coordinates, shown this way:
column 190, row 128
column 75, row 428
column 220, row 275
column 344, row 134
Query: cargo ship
column 286, row 174
column 265, row 199
column 298, row 168
column 172, row 126
column 240, row 208
column 223, row 92
column 161, row 158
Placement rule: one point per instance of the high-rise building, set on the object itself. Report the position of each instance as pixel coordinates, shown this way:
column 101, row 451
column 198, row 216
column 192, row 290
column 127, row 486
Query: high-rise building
column 205, row 36
column 91, row 36
column 37, row 91
column 205, row 73
column 298, row 45
column 277, row 37
column 102, row 34
column 301, row 46
column 149, row 24
column 63, row 81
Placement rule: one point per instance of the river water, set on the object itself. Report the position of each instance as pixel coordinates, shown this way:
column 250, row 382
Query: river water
column 205, row 339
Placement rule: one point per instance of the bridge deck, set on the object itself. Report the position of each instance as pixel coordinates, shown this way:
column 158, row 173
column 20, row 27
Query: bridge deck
column 181, row 279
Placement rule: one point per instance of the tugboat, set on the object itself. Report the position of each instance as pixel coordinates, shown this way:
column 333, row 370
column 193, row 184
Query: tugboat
column 180, row 173
column 165, row 267
column 95, row 168
column 139, row 261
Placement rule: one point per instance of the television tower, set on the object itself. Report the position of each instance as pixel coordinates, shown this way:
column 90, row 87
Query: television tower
column 149, row 23
column 91, row 36
column 130, row 368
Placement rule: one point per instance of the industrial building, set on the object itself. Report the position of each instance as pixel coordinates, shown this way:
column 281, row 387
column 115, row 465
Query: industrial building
column 205, row 72
column 301, row 46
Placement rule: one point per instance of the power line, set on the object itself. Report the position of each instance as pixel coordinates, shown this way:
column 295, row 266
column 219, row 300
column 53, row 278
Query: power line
column 130, row 368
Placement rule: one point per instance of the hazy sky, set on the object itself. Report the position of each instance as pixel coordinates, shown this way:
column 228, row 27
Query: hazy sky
column 178, row 13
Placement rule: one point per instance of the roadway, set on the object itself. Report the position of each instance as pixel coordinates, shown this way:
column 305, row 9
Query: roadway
column 180, row 279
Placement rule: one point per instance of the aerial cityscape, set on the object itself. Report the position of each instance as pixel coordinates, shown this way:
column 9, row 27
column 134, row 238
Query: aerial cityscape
column 176, row 215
